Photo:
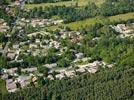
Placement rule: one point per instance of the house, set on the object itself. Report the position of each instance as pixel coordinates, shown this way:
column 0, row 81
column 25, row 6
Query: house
column 12, row 70
column 4, row 76
column 123, row 29
column 1, row 48
column 86, row 59
column 56, row 22
column 16, row 46
column 50, row 66
column 36, row 52
column 50, row 77
column 11, row 85
column 34, row 79
column 17, row 2
column 60, row 76
column 54, row 44
column 3, row 26
column 79, row 55
column 29, row 70
column 40, row 74
column 81, row 70
column 110, row 65
column 24, row 84
column 37, row 41
column 42, row 33
column 70, row 73
column 23, row 80
column 92, row 69
column 96, row 38
column 11, row 55
column 22, row 43
column 96, row 63
column 20, row 3
column 61, row 70
column 33, row 46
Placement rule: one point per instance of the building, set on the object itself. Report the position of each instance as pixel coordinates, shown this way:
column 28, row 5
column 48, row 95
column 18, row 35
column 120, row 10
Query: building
column 81, row 70
column 11, row 55
column 12, row 70
column 3, row 26
column 124, row 30
column 58, row 22
column 50, row 66
column 60, row 76
column 29, row 70
column 16, row 46
column 50, row 77
column 1, row 48
column 23, row 80
column 70, row 73
column 34, row 79
column 11, row 85
column 110, row 65
column 92, row 69
column 79, row 55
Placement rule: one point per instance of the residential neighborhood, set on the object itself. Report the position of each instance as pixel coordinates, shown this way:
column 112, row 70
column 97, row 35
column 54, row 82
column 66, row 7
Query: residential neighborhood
column 15, row 80
column 3, row 26
column 124, row 29
column 66, row 49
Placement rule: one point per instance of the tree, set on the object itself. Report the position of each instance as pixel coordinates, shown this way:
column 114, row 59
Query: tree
column 43, row 69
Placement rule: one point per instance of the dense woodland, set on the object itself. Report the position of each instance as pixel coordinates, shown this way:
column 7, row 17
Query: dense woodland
column 71, row 14
column 43, row 1
column 114, row 84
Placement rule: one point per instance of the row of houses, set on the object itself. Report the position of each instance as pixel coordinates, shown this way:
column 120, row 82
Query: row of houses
column 74, row 36
column 3, row 26
column 39, row 45
column 14, row 81
column 45, row 22
column 124, row 29
column 76, row 69
column 37, row 22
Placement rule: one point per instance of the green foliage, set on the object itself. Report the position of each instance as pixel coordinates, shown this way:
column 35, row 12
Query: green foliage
column 63, row 62
column 115, row 7
column 3, row 62
column 5, row 2
column 107, row 84
column 72, row 14
column 42, row 1
column 43, row 69
column 2, row 88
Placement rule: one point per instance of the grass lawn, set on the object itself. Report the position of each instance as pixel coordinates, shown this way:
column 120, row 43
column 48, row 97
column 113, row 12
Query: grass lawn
column 66, row 3
column 2, row 87
column 92, row 21
column 122, row 17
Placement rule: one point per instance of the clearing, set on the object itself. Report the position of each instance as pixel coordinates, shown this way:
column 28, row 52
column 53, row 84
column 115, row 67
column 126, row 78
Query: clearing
column 92, row 21
column 66, row 3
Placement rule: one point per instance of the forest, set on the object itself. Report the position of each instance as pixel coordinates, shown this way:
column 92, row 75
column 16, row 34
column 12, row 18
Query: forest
column 113, row 84
column 71, row 14
column 43, row 1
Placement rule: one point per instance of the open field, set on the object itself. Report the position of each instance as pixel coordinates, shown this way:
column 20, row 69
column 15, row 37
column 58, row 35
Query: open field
column 66, row 3
column 92, row 21
column 122, row 16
